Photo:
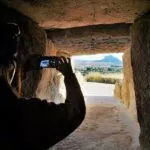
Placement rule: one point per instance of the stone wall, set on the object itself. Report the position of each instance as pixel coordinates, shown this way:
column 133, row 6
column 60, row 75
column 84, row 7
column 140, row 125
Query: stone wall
column 48, row 87
column 91, row 39
column 124, row 90
column 140, row 57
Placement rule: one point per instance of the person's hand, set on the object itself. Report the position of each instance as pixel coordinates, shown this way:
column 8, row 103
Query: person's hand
column 64, row 66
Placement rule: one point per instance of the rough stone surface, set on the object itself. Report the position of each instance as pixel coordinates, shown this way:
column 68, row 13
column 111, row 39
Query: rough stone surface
column 67, row 13
column 128, row 81
column 124, row 90
column 118, row 90
column 47, row 87
column 140, row 57
column 91, row 39
column 32, row 40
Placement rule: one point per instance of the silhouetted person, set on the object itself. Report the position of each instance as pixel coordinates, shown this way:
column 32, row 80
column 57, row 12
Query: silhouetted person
column 32, row 124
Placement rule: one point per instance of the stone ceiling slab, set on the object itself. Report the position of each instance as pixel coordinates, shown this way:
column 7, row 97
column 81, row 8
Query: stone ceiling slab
column 73, row 13
column 92, row 39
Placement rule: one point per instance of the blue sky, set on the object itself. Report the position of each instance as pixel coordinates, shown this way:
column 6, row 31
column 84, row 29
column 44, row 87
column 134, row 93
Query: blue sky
column 97, row 56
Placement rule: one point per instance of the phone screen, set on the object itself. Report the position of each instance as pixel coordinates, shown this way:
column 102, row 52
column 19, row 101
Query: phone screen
column 44, row 63
column 48, row 62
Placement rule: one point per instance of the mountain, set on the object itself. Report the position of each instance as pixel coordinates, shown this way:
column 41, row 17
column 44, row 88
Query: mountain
column 106, row 61
column 111, row 59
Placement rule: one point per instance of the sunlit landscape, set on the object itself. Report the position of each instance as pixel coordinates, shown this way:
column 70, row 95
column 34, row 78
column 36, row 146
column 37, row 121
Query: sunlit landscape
column 101, row 68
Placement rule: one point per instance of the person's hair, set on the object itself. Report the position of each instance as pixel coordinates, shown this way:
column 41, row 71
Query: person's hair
column 9, row 40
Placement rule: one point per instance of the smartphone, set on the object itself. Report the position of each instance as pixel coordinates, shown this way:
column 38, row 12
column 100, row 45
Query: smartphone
column 38, row 62
column 48, row 62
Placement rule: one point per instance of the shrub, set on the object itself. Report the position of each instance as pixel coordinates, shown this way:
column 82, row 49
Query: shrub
column 93, row 77
column 103, row 78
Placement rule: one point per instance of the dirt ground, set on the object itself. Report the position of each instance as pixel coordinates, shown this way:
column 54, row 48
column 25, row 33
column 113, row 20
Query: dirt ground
column 106, row 127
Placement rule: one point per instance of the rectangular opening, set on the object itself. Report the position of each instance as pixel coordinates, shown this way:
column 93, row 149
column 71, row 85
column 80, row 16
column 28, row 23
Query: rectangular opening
column 100, row 72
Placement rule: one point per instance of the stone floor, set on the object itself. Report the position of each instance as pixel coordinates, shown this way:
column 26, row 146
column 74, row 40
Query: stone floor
column 107, row 126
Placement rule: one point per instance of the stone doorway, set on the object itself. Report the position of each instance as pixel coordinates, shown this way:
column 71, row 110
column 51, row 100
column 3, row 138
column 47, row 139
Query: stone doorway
column 89, row 35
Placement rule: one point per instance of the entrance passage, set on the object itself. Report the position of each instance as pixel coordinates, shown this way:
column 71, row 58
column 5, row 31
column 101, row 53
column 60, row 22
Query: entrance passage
column 107, row 125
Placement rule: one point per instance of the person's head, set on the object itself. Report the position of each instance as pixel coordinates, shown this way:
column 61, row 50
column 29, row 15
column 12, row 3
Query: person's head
column 9, row 40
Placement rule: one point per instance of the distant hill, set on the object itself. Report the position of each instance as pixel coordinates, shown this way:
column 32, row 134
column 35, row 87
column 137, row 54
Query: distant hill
column 107, row 60
column 111, row 59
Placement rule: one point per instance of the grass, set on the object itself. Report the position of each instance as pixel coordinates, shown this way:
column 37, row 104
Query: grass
column 110, row 78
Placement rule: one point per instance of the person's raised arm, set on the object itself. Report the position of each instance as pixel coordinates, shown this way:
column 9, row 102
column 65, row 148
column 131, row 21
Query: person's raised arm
column 74, row 101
